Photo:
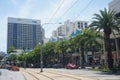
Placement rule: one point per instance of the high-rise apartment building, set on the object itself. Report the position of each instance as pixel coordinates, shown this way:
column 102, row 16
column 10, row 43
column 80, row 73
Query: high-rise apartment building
column 80, row 25
column 61, row 30
column 115, row 39
column 115, row 5
column 24, row 33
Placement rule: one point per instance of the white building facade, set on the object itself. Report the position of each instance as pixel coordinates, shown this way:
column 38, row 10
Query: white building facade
column 68, row 28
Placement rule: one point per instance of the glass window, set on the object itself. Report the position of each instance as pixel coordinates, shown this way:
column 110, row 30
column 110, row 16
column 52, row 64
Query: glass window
column 78, row 24
column 85, row 25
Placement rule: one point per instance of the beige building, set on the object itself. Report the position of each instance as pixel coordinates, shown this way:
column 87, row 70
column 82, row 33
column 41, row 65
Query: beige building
column 115, row 5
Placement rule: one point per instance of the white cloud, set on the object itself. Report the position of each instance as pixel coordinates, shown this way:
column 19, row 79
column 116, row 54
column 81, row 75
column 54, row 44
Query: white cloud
column 14, row 2
column 25, row 9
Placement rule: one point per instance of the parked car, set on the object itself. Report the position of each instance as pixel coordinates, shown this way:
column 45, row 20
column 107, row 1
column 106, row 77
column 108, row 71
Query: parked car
column 71, row 66
column 9, row 67
column 5, row 66
column 15, row 68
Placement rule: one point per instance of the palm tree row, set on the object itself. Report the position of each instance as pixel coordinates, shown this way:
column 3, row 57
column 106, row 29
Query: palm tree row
column 108, row 23
column 52, row 50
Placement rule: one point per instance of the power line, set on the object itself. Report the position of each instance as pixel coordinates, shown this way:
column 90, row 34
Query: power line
column 80, row 11
column 84, row 8
column 56, row 11
column 68, row 10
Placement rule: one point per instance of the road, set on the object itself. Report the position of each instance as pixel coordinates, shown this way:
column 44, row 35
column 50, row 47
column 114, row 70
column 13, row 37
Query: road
column 56, row 74
column 66, row 74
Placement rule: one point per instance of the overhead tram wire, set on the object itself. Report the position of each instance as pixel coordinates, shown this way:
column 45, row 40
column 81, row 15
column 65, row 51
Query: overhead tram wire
column 68, row 9
column 84, row 8
column 80, row 11
column 56, row 12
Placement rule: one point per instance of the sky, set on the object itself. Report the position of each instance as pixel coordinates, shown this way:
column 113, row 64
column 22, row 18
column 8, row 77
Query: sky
column 48, row 11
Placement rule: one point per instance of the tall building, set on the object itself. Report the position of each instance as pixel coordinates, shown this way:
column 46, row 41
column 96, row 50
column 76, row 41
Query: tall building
column 54, row 33
column 61, row 30
column 24, row 33
column 69, row 28
column 80, row 25
column 115, row 5
column 115, row 39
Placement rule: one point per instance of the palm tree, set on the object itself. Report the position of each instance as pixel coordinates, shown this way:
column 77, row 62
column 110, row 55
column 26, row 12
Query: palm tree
column 106, row 21
column 63, row 48
column 92, row 41
column 82, row 38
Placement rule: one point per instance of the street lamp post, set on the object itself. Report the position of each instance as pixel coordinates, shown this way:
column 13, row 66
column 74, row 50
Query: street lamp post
column 41, row 57
column 41, row 61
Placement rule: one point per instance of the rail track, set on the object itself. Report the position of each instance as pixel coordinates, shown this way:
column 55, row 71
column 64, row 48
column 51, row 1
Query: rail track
column 49, row 75
column 31, row 75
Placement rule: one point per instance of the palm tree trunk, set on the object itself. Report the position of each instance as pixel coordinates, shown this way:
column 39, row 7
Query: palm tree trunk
column 83, row 59
column 63, row 61
column 109, row 52
column 93, row 61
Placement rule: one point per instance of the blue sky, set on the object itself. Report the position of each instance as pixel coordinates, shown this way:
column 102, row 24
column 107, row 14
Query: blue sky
column 44, row 10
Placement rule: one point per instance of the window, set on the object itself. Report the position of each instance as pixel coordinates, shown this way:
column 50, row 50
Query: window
column 82, row 25
column 79, row 25
column 85, row 25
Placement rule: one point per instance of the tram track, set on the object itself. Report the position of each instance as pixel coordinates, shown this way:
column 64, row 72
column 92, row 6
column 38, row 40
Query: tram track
column 50, row 75
column 57, row 75
column 36, row 75
column 29, row 76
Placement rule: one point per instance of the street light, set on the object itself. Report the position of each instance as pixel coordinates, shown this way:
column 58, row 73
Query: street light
column 41, row 61
column 41, row 58
column 50, row 23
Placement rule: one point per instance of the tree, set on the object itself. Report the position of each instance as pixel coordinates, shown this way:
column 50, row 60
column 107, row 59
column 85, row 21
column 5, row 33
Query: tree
column 63, row 49
column 92, row 41
column 81, row 41
column 11, row 49
column 106, row 21
column 12, row 57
